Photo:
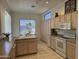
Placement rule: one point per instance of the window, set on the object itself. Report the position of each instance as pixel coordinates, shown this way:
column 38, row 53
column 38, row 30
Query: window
column 27, row 26
column 47, row 15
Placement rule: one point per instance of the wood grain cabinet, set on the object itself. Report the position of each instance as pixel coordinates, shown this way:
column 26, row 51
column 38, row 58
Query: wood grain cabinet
column 71, row 50
column 74, row 20
column 57, row 22
column 68, row 17
column 32, row 46
column 21, row 47
column 26, row 46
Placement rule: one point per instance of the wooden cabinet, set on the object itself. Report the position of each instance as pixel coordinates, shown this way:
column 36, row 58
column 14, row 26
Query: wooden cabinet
column 26, row 46
column 68, row 18
column 32, row 46
column 57, row 22
column 74, row 20
column 62, row 19
column 67, row 21
column 21, row 47
column 71, row 50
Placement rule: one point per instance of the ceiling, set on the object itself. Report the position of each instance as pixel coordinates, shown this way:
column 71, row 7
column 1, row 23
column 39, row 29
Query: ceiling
column 39, row 6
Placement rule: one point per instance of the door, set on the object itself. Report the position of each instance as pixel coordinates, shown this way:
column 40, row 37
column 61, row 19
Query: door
column 48, row 32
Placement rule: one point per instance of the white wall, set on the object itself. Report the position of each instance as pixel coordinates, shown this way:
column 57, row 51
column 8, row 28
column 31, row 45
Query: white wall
column 15, row 22
column 5, row 21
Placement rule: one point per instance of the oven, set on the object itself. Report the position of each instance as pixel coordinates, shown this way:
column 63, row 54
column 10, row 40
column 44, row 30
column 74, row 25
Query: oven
column 61, row 46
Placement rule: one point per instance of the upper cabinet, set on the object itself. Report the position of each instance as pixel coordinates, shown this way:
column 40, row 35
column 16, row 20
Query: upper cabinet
column 74, row 20
column 67, row 21
column 63, row 22
column 57, row 22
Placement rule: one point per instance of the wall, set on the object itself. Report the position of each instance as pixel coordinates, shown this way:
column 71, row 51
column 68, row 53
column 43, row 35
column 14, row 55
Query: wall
column 5, row 20
column 15, row 22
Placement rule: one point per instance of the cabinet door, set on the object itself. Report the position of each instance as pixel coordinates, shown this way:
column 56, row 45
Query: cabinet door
column 74, row 20
column 32, row 46
column 62, row 19
column 57, row 22
column 71, row 50
column 68, row 18
column 21, row 47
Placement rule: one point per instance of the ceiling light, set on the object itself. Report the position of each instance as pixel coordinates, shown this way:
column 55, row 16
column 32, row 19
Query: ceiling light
column 46, row 2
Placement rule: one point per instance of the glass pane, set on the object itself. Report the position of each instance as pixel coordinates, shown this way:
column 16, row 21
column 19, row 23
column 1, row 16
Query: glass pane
column 27, row 26
column 48, row 16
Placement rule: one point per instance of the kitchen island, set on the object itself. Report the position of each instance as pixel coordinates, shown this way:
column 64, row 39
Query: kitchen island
column 18, row 46
column 26, row 45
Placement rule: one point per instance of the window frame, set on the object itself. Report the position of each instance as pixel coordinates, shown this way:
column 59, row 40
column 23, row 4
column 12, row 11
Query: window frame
column 46, row 13
column 26, row 19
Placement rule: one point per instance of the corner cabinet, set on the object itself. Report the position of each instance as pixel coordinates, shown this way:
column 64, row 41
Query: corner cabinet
column 74, row 20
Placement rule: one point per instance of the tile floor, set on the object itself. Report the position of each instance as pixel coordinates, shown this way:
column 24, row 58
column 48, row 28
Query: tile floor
column 43, row 53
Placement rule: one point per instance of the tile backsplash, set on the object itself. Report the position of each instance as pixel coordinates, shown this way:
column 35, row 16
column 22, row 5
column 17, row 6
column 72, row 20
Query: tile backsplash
column 71, row 33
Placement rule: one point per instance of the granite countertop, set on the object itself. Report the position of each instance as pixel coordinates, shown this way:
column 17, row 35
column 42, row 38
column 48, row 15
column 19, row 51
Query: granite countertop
column 5, row 48
column 26, row 37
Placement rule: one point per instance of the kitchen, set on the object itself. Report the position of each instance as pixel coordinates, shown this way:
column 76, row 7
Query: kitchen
column 51, row 29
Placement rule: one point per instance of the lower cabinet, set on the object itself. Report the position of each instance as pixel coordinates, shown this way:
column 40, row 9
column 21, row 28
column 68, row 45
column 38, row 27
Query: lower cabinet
column 26, row 46
column 32, row 46
column 71, row 50
column 21, row 47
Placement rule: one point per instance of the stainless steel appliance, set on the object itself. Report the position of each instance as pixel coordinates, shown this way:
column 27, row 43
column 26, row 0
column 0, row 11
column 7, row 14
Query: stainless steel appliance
column 61, row 46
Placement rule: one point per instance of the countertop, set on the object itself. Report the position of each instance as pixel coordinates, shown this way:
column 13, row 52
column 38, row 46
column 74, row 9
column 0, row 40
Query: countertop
column 26, row 37
column 5, row 49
